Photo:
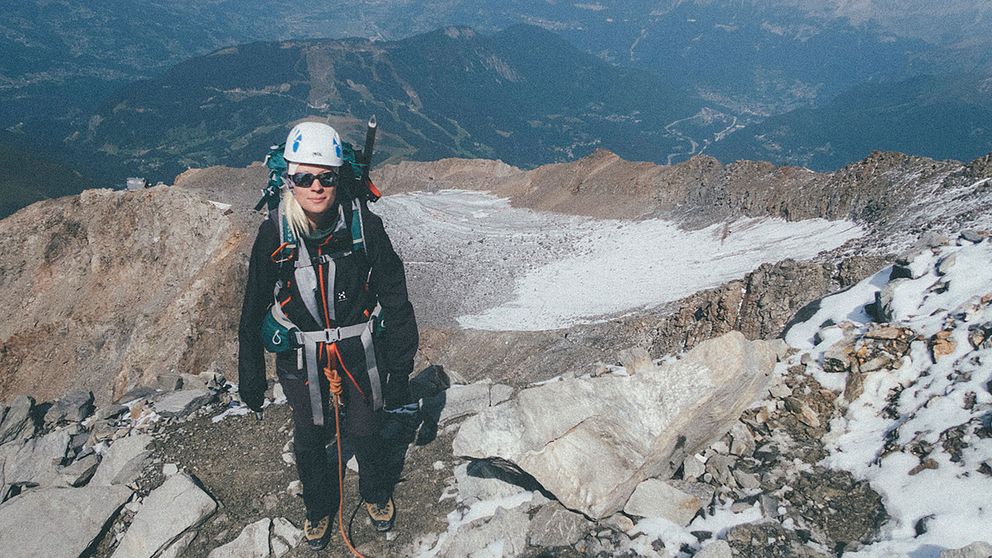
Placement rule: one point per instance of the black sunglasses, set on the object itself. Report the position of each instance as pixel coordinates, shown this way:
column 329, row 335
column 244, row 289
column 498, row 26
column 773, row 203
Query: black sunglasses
column 305, row 179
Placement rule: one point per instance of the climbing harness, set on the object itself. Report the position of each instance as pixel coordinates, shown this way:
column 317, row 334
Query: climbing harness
column 280, row 334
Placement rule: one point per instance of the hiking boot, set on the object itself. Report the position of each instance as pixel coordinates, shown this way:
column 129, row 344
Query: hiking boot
column 318, row 534
column 382, row 515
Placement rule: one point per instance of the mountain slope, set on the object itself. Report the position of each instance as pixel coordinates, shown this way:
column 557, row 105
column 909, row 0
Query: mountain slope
column 28, row 175
column 447, row 93
column 947, row 117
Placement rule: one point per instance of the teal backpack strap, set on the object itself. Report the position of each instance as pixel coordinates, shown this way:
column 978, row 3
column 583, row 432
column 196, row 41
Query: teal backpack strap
column 357, row 227
column 287, row 239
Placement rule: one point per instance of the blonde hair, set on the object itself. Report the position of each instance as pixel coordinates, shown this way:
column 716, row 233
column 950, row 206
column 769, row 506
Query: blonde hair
column 295, row 216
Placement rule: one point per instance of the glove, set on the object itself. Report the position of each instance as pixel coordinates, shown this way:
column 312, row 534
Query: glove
column 254, row 399
column 400, row 424
column 397, row 392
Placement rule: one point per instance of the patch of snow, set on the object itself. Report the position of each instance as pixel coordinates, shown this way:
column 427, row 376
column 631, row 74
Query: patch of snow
column 478, row 510
column 619, row 267
column 930, row 399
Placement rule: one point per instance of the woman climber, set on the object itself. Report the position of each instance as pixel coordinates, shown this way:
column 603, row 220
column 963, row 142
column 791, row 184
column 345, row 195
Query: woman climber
column 327, row 293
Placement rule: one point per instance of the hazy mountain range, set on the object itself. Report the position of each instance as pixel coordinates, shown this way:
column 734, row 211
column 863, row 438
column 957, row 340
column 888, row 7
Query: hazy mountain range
column 522, row 95
column 132, row 87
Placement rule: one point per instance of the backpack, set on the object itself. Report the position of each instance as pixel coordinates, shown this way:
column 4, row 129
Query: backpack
column 278, row 332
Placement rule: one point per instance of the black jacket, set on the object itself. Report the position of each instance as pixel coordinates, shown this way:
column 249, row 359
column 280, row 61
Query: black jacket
column 361, row 279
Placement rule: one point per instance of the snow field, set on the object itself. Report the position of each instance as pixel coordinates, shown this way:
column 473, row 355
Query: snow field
column 586, row 270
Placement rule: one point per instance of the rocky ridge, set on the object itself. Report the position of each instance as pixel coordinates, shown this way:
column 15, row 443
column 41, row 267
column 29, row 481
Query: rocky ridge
column 128, row 325
column 829, row 458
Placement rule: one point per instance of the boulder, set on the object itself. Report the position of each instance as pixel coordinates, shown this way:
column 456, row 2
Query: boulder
column 285, row 536
column 183, row 402
column 80, row 471
column 35, row 463
column 175, row 550
column 123, row 462
column 503, row 534
column 461, row 400
column 481, row 480
column 73, row 407
column 170, row 382
column 166, row 513
column 591, row 441
column 111, row 412
column 555, row 526
column 972, row 236
column 636, row 360
column 76, row 515
column 655, row 498
column 17, row 422
column 253, row 542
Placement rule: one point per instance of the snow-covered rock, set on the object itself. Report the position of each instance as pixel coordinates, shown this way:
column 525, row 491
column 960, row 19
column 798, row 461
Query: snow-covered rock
column 655, row 498
column 919, row 390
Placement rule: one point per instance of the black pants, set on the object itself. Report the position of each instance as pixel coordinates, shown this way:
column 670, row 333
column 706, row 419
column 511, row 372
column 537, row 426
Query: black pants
column 316, row 451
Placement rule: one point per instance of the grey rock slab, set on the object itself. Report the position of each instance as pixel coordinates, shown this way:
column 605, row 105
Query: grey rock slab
column 701, row 490
column 742, row 441
column 461, row 400
column 747, row 481
column 285, row 536
column 175, row 550
column 193, row 381
column 80, row 471
column 111, row 412
column 635, row 426
column 17, row 423
column 655, row 498
column 170, row 382
column 253, row 542
column 76, row 515
column 73, row 407
column 123, row 461
column 636, row 360
column 693, row 467
column 977, row 549
column 183, row 402
column 35, row 463
column 499, row 393
column 505, row 530
column 480, row 480
column 971, row 236
column 166, row 513
column 553, row 525
column 714, row 549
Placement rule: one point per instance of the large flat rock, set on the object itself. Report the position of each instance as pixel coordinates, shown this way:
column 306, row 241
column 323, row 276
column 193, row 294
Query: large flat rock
column 166, row 513
column 591, row 441
column 123, row 461
column 71, row 517
column 35, row 463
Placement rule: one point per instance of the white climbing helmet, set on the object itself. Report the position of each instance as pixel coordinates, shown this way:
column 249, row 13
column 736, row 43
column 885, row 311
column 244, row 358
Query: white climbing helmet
column 313, row 143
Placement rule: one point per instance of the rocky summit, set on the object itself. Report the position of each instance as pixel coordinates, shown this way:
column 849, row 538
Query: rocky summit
column 812, row 380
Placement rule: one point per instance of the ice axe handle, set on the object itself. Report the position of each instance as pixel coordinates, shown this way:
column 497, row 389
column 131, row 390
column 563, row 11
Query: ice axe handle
column 369, row 148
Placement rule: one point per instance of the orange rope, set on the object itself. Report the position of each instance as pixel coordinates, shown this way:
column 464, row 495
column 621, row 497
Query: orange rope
column 336, row 391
